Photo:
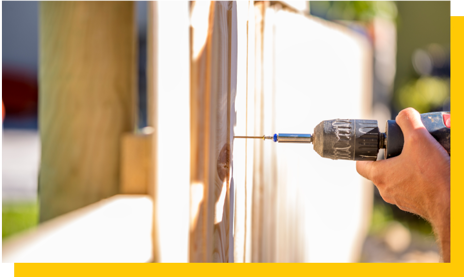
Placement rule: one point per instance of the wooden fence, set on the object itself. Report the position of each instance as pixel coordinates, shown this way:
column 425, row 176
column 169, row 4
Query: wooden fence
column 215, row 70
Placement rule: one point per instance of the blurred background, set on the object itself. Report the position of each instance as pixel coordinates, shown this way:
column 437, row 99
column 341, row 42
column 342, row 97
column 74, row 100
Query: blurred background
column 411, row 61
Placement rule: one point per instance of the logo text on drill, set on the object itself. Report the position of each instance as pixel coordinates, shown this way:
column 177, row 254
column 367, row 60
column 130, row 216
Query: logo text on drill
column 342, row 146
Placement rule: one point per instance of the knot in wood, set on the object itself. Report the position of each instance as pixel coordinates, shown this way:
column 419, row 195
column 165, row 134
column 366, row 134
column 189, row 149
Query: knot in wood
column 223, row 162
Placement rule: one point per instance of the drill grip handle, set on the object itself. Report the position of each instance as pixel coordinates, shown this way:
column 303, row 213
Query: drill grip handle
column 437, row 123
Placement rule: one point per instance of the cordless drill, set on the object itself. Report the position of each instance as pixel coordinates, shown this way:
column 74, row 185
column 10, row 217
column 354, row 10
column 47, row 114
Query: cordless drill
column 360, row 140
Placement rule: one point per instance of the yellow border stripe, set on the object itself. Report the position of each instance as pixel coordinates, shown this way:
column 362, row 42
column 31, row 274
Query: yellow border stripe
column 457, row 134
column 233, row 270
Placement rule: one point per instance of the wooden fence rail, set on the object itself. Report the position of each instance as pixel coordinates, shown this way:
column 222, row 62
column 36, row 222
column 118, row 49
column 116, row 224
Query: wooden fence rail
column 116, row 229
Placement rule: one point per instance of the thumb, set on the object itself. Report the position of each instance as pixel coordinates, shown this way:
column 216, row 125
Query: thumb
column 364, row 168
column 409, row 121
column 367, row 169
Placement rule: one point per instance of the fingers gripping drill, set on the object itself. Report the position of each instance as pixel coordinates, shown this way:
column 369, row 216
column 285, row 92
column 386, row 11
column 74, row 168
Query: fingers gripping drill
column 361, row 140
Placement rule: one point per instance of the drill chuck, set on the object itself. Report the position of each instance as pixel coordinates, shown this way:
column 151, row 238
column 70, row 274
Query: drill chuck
column 348, row 139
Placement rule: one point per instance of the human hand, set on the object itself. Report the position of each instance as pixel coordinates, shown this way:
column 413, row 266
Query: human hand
column 418, row 180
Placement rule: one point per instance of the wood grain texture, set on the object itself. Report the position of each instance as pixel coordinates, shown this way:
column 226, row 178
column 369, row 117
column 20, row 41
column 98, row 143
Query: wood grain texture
column 201, row 223
column 213, row 84
column 87, row 100
column 223, row 86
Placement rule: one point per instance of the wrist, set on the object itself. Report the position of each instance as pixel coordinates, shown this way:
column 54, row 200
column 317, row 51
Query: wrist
column 440, row 220
column 437, row 202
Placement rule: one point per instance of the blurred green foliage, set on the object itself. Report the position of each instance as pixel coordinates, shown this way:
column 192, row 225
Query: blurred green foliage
column 384, row 214
column 381, row 216
column 363, row 11
column 424, row 94
column 18, row 216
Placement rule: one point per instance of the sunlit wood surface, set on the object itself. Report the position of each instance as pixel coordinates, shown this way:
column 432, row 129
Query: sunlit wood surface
column 168, row 74
column 116, row 229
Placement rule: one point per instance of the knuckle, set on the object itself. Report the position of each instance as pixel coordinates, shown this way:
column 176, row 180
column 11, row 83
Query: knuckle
column 385, row 196
column 406, row 114
column 388, row 200
column 377, row 179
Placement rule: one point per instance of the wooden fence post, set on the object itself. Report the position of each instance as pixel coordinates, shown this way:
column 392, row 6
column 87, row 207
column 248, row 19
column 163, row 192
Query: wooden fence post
column 87, row 100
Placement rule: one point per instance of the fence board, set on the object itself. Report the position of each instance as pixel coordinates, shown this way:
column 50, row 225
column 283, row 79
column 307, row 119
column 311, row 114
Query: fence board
column 168, row 96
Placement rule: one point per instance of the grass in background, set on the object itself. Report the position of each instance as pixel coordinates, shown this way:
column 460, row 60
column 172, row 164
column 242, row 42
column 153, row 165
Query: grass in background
column 18, row 216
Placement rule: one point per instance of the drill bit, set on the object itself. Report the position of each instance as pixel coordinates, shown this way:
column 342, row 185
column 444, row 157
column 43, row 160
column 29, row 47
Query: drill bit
column 255, row 137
